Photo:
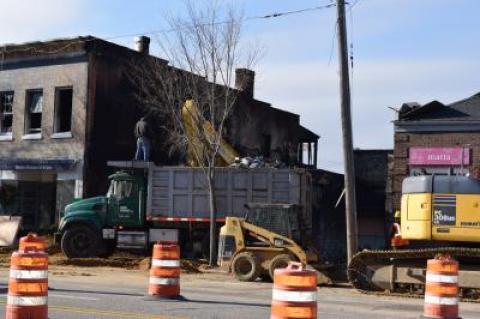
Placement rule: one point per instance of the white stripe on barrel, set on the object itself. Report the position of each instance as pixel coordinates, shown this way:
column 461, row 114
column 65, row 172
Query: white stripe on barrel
column 27, row 301
column 28, row 274
column 294, row 296
column 445, row 301
column 164, row 281
column 165, row 263
column 446, row 279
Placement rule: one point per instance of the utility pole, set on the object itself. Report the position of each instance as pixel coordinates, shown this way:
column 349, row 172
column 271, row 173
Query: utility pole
column 350, row 200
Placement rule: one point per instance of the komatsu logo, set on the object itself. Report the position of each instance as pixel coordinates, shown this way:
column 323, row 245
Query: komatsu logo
column 442, row 218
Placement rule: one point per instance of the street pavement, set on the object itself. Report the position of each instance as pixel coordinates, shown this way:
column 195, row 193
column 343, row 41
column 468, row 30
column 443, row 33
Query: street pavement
column 119, row 294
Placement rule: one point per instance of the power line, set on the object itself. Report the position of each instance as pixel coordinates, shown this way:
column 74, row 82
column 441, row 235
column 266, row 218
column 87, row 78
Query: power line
column 152, row 32
column 262, row 17
column 334, row 35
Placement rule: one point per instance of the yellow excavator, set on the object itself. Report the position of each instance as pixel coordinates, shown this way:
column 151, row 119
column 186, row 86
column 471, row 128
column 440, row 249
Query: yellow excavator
column 201, row 135
column 439, row 215
column 250, row 252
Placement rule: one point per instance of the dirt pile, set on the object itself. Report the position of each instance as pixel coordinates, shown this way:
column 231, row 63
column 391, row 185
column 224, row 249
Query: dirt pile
column 122, row 260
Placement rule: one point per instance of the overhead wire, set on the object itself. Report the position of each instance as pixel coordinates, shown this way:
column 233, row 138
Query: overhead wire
column 168, row 30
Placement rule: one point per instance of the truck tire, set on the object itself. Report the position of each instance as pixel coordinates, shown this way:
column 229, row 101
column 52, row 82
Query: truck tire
column 279, row 261
column 245, row 267
column 80, row 241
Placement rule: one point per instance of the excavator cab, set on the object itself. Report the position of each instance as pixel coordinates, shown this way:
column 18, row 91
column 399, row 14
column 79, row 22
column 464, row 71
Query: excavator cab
column 441, row 208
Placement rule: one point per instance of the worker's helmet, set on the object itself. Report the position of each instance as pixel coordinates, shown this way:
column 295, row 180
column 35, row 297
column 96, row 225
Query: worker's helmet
column 397, row 214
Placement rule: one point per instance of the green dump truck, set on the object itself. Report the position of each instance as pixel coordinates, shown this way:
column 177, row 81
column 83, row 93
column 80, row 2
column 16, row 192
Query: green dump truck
column 147, row 203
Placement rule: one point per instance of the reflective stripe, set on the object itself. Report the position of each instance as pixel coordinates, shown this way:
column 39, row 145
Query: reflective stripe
column 26, row 301
column 447, row 279
column 435, row 300
column 164, row 281
column 296, row 296
column 165, row 263
column 28, row 274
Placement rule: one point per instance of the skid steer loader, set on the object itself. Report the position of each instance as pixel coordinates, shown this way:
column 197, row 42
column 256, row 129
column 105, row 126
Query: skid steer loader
column 250, row 251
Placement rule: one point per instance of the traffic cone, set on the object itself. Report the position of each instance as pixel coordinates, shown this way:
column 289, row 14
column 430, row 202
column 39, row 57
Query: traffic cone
column 164, row 282
column 441, row 289
column 294, row 293
column 34, row 241
column 28, row 283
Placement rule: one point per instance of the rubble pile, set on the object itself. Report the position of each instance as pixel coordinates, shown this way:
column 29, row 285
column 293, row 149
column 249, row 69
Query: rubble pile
column 257, row 162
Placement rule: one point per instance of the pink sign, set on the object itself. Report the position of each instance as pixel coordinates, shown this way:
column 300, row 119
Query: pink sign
column 439, row 156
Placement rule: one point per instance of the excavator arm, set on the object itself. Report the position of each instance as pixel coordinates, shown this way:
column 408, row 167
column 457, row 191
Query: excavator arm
column 201, row 135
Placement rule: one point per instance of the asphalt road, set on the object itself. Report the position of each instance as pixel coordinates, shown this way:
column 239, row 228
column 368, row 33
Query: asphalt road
column 119, row 294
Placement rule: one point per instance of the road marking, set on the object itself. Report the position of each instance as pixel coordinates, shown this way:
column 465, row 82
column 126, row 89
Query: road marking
column 73, row 297
column 107, row 313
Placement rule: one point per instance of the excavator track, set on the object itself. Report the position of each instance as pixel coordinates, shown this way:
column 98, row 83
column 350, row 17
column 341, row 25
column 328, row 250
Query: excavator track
column 402, row 272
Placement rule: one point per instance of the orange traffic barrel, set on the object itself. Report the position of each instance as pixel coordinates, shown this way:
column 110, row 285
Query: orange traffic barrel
column 164, row 279
column 32, row 240
column 441, row 289
column 294, row 293
column 28, row 285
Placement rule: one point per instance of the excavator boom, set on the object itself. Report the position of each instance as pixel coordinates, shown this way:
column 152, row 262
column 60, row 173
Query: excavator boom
column 202, row 135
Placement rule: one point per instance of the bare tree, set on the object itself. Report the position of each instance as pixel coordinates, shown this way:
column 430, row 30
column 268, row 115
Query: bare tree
column 192, row 93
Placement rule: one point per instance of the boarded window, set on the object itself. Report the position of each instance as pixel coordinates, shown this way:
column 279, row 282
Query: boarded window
column 6, row 113
column 33, row 112
column 63, row 110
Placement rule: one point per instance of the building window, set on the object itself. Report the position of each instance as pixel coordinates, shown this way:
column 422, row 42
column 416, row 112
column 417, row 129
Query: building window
column 6, row 113
column 33, row 112
column 63, row 110
column 438, row 170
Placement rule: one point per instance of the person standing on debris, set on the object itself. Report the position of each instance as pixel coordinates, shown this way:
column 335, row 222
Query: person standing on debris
column 143, row 140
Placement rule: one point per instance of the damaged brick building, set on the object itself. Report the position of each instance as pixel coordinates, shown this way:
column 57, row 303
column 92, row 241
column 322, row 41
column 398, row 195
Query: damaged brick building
column 435, row 138
column 67, row 108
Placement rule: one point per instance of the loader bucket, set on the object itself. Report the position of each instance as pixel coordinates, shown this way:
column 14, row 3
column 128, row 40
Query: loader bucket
column 323, row 277
column 9, row 226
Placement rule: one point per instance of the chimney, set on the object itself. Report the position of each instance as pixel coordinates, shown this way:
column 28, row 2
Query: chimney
column 245, row 81
column 142, row 44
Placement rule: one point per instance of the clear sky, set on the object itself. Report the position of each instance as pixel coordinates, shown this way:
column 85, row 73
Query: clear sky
column 404, row 50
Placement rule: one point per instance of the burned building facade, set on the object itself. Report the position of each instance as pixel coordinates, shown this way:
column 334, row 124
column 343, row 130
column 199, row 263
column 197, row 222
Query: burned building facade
column 66, row 108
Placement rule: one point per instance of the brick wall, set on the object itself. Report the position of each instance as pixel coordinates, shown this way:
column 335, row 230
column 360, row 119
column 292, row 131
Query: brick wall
column 403, row 141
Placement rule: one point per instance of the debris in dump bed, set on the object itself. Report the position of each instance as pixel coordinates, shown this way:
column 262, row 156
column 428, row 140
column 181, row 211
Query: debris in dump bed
column 257, row 162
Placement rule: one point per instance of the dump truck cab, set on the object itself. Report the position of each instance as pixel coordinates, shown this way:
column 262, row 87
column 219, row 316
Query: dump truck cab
column 125, row 198
column 89, row 227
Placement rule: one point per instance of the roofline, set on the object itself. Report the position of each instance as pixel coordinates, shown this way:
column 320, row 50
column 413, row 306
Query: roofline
column 436, row 126
column 433, row 122
column 30, row 54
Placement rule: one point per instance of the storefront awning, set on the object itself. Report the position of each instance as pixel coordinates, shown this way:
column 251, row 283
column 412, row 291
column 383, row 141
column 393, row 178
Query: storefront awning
column 36, row 164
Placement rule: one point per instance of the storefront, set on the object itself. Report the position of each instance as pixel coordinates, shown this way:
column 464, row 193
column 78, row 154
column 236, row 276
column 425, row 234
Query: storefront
column 38, row 190
column 438, row 161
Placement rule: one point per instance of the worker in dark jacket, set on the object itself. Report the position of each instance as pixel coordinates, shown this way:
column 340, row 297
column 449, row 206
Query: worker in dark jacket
column 143, row 140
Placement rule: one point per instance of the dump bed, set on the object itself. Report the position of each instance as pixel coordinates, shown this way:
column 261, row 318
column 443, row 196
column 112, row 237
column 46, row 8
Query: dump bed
column 181, row 193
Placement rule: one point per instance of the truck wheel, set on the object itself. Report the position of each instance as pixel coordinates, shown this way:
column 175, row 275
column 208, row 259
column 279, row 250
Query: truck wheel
column 246, row 267
column 279, row 261
column 80, row 242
